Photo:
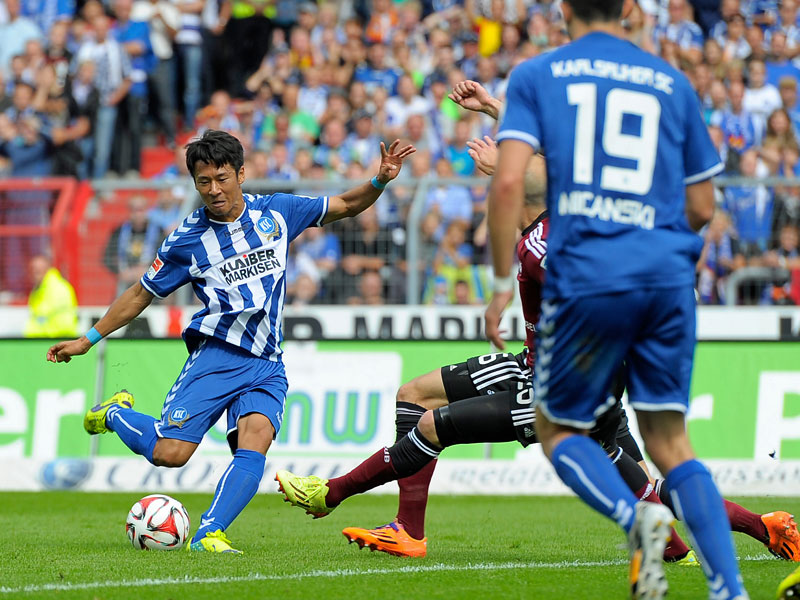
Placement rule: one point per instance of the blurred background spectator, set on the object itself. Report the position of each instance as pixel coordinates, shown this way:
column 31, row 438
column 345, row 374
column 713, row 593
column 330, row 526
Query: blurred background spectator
column 52, row 302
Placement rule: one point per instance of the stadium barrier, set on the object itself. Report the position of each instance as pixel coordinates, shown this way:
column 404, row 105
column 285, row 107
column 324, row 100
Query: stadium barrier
column 744, row 417
column 75, row 221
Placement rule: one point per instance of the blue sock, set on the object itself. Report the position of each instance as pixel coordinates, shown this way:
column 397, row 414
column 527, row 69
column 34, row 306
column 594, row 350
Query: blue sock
column 237, row 487
column 136, row 430
column 698, row 504
column 583, row 466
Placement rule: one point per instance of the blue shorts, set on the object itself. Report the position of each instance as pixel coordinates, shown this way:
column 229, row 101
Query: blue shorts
column 582, row 342
column 216, row 377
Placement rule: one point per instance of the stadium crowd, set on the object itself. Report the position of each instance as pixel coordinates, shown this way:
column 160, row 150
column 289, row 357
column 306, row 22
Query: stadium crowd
column 311, row 88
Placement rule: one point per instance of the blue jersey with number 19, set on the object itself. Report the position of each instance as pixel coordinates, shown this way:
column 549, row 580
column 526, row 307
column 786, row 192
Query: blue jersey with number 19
column 622, row 134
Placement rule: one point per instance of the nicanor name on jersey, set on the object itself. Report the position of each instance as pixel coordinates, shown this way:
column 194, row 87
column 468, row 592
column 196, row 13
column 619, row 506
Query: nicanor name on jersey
column 249, row 266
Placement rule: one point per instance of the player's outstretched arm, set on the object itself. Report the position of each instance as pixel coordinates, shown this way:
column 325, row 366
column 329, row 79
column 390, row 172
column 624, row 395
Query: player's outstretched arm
column 122, row 311
column 505, row 207
column 473, row 96
column 357, row 200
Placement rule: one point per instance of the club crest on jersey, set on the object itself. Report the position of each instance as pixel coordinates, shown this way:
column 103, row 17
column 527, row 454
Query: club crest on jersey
column 268, row 228
column 155, row 267
column 178, row 417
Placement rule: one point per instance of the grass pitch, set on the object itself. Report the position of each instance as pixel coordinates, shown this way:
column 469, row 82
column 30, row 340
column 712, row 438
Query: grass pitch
column 73, row 545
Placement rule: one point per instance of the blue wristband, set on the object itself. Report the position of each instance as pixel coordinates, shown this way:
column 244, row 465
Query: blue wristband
column 377, row 184
column 93, row 336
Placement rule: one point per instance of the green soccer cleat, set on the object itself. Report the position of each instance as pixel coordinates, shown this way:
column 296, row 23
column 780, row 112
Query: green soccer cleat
column 215, row 541
column 790, row 587
column 306, row 492
column 95, row 420
column 690, row 560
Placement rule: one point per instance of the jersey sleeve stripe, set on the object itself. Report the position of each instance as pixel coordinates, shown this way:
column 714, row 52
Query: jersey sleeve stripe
column 149, row 289
column 324, row 211
column 522, row 136
column 707, row 174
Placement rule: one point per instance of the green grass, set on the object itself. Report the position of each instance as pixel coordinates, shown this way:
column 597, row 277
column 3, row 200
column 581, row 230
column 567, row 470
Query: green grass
column 479, row 547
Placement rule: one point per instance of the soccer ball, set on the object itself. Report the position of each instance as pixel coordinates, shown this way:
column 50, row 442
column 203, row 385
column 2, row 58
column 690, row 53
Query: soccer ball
column 157, row 522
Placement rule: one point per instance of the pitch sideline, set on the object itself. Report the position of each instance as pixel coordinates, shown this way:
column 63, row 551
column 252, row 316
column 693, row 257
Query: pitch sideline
column 438, row 567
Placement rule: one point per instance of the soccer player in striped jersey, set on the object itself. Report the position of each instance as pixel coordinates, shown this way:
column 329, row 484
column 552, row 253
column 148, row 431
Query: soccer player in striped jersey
column 233, row 251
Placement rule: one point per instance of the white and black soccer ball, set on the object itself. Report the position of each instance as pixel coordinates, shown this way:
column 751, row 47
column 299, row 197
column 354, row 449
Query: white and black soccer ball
column 157, row 522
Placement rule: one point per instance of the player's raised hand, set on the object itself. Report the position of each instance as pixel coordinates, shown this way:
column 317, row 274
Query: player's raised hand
column 64, row 351
column 473, row 96
column 492, row 316
column 484, row 153
column 392, row 160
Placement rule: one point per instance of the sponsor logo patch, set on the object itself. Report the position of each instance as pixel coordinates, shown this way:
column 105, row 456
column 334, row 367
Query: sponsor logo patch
column 268, row 228
column 155, row 268
column 178, row 417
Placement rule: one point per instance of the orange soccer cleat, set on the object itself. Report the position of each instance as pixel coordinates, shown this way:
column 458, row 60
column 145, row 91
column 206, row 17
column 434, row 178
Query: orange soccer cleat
column 392, row 539
column 784, row 540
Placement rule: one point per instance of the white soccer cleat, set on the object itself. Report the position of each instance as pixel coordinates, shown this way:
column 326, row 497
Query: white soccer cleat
column 647, row 539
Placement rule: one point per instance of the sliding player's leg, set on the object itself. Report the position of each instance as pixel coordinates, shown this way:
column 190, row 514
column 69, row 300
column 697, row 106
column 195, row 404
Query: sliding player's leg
column 776, row 530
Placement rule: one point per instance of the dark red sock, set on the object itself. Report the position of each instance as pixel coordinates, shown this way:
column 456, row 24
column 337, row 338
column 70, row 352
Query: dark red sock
column 374, row 471
column 414, row 500
column 677, row 548
column 744, row 521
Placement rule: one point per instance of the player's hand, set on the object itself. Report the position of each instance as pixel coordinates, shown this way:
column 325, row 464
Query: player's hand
column 492, row 316
column 392, row 160
column 64, row 351
column 472, row 96
column 484, row 153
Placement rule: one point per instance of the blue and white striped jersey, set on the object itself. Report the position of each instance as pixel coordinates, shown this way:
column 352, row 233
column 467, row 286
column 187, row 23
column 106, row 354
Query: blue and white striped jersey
column 236, row 269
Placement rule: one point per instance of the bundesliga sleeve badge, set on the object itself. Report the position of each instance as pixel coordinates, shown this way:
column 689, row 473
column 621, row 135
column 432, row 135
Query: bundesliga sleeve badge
column 155, row 268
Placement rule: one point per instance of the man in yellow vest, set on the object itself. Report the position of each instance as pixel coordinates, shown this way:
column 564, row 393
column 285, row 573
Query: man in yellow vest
column 52, row 302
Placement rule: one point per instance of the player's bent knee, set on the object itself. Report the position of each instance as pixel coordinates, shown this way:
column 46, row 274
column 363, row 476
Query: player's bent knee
column 427, row 427
column 409, row 393
column 255, row 432
column 172, row 453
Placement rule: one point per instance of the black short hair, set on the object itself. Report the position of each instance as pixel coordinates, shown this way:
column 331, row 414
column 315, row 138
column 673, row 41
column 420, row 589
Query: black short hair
column 589, row 11
column 216, row 148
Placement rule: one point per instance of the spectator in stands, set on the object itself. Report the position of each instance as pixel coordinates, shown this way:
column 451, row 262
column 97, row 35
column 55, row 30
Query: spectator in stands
column 720, row 257
column 313, row 95
column 15, row 34
column 52, row 303
column 750, row 208
column 362, row 145
column 216, row 60
column 784, row 255
column 406, row 103
column 323, row 248
column 113, row 80
column 58, row 53
column 302, row 277
column 712, row 52
column 331, row 153
column 69, row 124
column 189, row 46
column 370, row 290
column 132, row 246
column 780, row 149
column 163, row 21
column 382, row 22
column 760, row 97
column 737, row 126
column 735, row 46
column 787, row 88
column 134, row 37
column 303, row 127
column 448, row 202
column 787, row 25
column 686, row 35
column 755, row 39
column 457, row 152
column 279, row 165
column 167, row 213
column 778, row 62
column 46, row 13
column 376, row 72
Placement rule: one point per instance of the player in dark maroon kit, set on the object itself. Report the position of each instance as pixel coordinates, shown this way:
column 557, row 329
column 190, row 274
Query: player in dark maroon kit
column 487, row 398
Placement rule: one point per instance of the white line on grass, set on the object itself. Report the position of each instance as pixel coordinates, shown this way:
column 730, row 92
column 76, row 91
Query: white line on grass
column 132, row 583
